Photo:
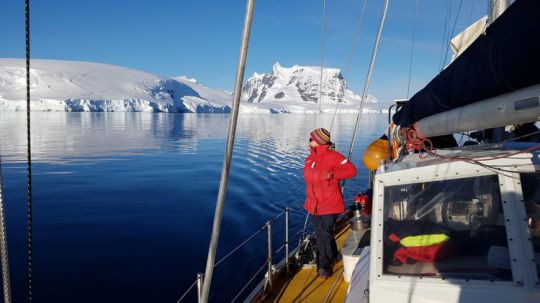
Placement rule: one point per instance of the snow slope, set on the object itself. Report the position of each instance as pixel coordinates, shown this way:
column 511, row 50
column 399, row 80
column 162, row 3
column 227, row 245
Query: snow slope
column 83, row 86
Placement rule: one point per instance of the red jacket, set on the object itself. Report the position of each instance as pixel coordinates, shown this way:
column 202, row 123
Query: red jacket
column 323, row 193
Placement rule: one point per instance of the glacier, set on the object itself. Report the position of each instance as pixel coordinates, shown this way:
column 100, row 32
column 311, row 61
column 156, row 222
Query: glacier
column 58, row 85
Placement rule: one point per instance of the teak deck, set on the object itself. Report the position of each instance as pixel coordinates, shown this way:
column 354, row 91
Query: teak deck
column 306, row 285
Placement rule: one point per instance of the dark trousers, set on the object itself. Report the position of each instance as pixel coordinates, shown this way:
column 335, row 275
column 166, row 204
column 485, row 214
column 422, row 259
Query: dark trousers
column 325, row 244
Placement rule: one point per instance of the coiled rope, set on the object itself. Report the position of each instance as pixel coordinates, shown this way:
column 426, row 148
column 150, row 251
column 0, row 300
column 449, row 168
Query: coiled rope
column 29, row 149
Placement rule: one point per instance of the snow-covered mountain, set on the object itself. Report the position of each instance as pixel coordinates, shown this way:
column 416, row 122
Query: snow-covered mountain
column 296, row 89
column 83, row 86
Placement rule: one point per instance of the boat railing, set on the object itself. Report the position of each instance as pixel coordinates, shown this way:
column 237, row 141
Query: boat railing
column 268, row 263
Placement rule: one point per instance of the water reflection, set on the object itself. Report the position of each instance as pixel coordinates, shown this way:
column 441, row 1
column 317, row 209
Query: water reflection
column 61, row 137
column 130, row 197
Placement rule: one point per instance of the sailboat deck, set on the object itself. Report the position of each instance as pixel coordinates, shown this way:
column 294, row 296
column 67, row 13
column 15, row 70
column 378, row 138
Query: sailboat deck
column 307, row 286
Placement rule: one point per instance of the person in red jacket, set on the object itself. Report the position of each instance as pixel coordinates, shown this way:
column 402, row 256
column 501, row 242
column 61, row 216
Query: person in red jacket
column 323, row 170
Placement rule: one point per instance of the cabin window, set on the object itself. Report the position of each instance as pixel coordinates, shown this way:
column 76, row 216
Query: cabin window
column 452, row 229
column 530, row 184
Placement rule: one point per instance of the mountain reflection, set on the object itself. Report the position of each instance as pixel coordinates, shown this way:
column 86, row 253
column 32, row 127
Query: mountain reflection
column 279, row 140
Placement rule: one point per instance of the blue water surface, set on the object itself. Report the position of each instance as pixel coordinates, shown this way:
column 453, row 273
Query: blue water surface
column 123, row 203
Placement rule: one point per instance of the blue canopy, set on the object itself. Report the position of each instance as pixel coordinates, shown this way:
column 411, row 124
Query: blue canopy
column 504, row 59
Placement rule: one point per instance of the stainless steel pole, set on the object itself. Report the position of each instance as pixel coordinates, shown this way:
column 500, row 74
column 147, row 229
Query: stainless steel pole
column 269, row 229
column 228, row 151
column 199, row 286
column 368, row 77
column 287, row 239
column 3, row 246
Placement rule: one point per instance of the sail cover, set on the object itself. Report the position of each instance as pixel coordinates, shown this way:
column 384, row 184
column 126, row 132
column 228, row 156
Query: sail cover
column 504, row 59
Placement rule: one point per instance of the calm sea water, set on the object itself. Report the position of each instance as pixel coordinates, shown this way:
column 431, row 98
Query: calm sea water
column 123, row 203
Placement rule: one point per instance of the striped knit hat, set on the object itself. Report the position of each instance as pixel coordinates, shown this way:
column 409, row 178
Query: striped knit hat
column 321, row 136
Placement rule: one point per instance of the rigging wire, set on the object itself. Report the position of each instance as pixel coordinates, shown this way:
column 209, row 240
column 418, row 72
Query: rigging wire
column 471, row 12
column 445, row 29
column 322, row 55
column 412, row 48
column 351, row 54
column 29, row 149
column 368, row 76
column 452, row 33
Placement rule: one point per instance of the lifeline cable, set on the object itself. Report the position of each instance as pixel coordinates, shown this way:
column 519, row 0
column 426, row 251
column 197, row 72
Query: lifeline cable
column 29, row 150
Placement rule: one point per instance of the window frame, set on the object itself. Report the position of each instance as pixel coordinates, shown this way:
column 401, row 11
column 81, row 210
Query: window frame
column 521, row 249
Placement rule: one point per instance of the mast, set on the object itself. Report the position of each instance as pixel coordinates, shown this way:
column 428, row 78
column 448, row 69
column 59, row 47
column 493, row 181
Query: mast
column 205, row 293
column 496, row 8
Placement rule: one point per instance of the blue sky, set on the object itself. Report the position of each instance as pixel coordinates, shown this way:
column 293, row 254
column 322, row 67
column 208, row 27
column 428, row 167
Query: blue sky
column 200, row 39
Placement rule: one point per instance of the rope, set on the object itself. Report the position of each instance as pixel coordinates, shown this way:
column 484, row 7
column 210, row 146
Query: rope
column 351, row 54
column 413, row 141
column 187, row 292
column 29, row 151
column 322, row 54
column 249, row 282
column 412, row 48
column 452, row 33
column 3, row 245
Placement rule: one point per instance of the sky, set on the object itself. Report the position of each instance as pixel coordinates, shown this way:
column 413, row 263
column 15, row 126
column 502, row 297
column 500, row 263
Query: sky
column 200, row 39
